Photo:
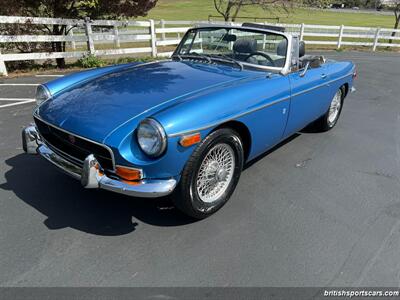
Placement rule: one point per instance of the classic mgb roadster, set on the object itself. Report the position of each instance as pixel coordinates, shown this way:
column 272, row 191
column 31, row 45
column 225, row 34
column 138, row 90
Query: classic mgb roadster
column 186, row 126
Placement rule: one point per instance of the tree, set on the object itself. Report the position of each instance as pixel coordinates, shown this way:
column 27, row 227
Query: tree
column 109, row 9
column 229, row 9
column 396, row 11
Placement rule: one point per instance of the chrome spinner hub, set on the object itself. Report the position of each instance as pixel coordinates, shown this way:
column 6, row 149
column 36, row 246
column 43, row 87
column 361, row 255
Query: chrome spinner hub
column 215, row 173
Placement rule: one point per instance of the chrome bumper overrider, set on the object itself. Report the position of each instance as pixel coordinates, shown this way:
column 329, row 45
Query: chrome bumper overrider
column 91, row 175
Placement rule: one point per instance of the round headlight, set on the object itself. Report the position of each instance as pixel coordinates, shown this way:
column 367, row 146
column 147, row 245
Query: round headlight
column 42, row 94
column 151, row 137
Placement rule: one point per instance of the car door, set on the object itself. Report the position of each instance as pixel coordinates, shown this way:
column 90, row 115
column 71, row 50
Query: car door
column 309, row 97
column 267, row 103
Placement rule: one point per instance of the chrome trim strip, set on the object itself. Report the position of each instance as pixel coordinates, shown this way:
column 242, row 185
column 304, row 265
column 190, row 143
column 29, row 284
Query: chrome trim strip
column 228, row 119
column 310, row 89
column 320, row 85
column 86, row 139
column 253, row 110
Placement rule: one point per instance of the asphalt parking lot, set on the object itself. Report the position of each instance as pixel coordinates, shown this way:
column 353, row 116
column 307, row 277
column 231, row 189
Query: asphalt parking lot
column 320, row 210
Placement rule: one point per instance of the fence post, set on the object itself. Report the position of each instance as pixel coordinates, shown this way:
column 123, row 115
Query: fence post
column 162, row 22
column 89, row 36
column 116, row 37
column 3, row 69
column 264, row 38
column 153, row 39
column 302, row 32
column 71, row 34
column 376, row 39
column 339, row 43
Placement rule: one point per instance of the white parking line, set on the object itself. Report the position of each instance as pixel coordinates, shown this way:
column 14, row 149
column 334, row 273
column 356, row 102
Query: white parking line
column 17, row 103
column 44, row 75
column 16, row 99
column 19, row 84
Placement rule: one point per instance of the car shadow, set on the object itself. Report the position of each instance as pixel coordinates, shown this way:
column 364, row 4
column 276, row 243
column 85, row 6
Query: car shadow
column 266, row 153
column 66, row 204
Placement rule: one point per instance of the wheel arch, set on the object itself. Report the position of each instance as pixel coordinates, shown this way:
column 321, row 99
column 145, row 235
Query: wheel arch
column 243, row 132
column 346, row 88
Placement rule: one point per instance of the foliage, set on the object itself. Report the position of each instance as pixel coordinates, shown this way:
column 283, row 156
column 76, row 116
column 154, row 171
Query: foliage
column 125, row 60
column 229, row 9
column 77, row 8
column 90, row 61
column 115, row 9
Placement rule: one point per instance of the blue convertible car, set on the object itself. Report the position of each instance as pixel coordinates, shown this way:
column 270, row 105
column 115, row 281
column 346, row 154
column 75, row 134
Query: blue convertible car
column 186, row 126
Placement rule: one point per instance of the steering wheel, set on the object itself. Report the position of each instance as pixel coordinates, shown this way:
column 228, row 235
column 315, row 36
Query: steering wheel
column 265, row 55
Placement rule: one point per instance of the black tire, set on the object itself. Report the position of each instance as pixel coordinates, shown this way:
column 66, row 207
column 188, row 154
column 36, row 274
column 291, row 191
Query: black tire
column 186, row 197
column 323, row 124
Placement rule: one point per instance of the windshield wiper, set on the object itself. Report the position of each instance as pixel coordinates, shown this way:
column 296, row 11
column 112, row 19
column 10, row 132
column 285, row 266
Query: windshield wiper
column 177, row 56
column 223, row 57
column 195, row 55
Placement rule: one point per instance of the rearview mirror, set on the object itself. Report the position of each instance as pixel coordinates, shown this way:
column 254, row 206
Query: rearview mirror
column 229, row 38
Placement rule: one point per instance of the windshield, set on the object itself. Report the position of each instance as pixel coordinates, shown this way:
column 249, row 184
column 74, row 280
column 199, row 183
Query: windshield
column 237, row 46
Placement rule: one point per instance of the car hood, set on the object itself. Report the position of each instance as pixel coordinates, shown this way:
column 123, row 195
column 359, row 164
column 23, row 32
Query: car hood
column 94, row 108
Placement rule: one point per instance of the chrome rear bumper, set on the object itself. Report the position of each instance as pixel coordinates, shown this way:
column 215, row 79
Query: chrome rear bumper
column 91, row 175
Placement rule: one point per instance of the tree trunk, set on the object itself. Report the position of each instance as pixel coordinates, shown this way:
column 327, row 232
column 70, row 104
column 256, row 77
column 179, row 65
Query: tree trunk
column 227, row 15
column 236, row 12
column 59, row 46
column 396, row 26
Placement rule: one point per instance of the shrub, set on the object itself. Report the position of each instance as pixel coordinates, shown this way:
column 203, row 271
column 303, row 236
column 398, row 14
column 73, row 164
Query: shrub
column 124, row 60
column 90, row 61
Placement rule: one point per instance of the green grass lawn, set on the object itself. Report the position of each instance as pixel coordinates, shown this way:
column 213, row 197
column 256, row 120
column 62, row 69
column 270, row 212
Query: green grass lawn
column 201, row 9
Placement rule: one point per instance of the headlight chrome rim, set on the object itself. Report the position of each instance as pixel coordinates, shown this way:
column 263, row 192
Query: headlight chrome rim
column 42, row 94
column 162, row 137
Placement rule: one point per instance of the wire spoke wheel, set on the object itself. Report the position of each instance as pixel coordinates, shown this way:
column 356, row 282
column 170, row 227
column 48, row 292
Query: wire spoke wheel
column 334, row 109
column 215, row 173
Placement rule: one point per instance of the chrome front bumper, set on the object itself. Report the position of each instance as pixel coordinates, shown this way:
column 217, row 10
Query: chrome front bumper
column 91, row 175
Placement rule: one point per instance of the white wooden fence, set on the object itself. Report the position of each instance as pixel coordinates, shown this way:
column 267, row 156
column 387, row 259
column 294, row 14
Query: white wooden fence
column 155, row 38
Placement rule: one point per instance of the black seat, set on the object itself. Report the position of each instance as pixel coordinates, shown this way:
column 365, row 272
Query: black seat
column 242, row 48
column 314, row 61
column 302, row 48
column 281, row 50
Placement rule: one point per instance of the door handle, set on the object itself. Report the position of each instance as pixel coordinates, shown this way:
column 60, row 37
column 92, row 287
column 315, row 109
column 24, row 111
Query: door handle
column 323, row 76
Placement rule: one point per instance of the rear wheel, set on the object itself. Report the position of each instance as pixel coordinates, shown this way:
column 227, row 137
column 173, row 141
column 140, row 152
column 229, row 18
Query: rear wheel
column 330, row 118
column 210, row 175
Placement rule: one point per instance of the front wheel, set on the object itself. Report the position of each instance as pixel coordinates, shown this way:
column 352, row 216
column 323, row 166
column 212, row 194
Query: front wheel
column 210, row 175
column 330, row 118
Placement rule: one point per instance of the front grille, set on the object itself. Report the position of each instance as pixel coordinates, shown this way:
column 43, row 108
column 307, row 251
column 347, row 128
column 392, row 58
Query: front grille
column 73, row 148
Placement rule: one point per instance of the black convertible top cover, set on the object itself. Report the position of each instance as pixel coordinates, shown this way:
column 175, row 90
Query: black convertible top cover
column 262, row 26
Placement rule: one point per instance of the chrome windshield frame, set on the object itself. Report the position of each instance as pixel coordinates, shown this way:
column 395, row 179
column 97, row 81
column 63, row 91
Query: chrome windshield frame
column 283, row 70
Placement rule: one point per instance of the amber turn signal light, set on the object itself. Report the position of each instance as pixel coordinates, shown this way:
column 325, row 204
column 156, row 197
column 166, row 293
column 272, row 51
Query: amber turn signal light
column 189, row 140
column 128, row 173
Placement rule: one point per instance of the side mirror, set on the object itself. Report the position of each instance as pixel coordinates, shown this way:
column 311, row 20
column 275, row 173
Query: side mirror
column 305, row 69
